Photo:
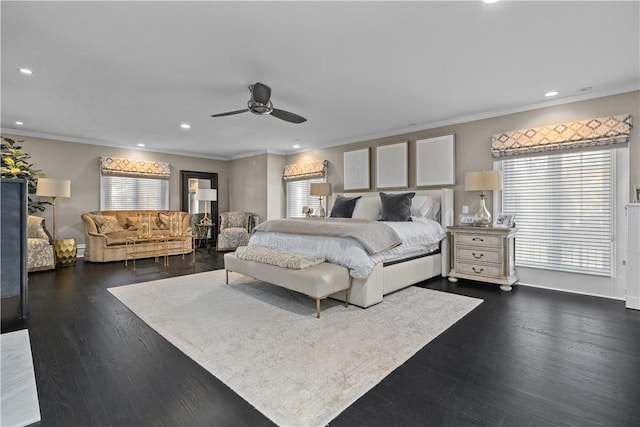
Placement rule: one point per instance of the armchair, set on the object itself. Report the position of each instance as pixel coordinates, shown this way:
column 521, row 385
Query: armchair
column 233, row 231
column 40, row 252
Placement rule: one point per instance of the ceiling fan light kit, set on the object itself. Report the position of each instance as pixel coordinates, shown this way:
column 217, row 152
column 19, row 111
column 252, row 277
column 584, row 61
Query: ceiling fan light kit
column 260, row 104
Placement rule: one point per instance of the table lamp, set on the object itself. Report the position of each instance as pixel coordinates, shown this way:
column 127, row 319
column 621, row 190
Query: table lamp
column 320, row 189
column 482, row 181
column 54, row 188
column 206, row 195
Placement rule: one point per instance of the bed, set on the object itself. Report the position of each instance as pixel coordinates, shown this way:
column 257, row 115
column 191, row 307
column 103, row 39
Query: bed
column 398, row 269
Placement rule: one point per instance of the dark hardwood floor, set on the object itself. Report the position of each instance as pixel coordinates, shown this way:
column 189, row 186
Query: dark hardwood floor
column 531, row 357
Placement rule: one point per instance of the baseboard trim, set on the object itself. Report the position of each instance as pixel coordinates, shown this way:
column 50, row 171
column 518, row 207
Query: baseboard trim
column 570, row 292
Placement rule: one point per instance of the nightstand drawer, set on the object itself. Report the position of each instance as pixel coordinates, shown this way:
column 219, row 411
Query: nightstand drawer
column 477, row 239
column 478, row 269
column 479, row 255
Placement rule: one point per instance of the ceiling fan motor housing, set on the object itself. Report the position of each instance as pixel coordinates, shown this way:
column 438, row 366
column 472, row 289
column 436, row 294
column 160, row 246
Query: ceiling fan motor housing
column 259, row 108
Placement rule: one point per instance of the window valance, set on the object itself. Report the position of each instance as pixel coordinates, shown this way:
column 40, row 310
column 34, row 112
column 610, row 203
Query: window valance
column 315, row 169
column 585, row 133
column 135, row 168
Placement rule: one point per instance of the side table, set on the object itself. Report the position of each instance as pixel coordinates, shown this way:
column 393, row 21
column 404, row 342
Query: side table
column 202, row 233
column 485, row 254
column 66, row 252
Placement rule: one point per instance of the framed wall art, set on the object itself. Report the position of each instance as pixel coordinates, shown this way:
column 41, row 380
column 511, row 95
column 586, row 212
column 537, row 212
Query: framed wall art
column 356, row 170
column 392, row 162
column 436, row 161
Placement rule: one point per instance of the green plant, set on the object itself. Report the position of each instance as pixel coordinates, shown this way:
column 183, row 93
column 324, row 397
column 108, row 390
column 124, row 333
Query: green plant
column 15, row 164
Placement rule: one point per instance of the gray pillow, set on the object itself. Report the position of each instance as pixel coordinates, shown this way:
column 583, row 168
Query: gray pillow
column 343, row 207
column 396, row 207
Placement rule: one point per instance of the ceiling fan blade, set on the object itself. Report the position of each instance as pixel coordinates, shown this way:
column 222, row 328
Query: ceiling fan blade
column 229, row 113
column 287, row 116
column 261, row 93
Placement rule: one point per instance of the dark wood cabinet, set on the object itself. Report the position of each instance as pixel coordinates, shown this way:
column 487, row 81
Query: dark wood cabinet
column 13, row 249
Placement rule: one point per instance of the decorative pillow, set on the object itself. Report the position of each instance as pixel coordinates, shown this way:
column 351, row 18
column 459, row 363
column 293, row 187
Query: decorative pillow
column 35, row 228
column 107, row 224
column 367, row 208
column 396, row 207
column 425, row 207
column 343, row 207
column 132, row 223
column 164, row 221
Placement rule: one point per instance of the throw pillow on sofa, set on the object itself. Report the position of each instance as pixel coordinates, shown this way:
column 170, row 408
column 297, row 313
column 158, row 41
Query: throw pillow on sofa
column 107, row 224
column 35, row 228
column 132, row 223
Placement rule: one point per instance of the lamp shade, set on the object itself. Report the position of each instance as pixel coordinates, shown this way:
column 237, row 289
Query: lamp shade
column 207, row 194
column 482, row 180
column 49, row 187
column 320, row 189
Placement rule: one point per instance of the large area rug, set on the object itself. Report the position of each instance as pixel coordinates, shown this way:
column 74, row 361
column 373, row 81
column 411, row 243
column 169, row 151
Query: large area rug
column 19, row 404
column 267, row 345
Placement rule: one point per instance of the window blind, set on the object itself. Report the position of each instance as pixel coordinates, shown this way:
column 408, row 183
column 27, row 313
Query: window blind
column 298, row 196
column 564, row 210
column 129, row 193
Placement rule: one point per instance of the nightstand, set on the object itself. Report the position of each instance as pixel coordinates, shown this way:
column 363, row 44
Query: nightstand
column 485, row 254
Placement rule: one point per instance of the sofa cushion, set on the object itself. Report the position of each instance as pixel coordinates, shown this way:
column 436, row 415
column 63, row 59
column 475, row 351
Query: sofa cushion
column 107, row 224
column 120, row 237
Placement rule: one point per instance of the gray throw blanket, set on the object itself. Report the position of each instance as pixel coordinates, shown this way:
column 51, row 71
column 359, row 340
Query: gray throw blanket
column 373, row 235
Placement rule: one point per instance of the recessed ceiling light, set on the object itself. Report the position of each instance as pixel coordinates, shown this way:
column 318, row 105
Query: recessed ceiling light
column 185, row 126
column 140, row 145
column 489, row 1
column 19, row 123
column 25, row 71
column 552, row 93
column 296, row 146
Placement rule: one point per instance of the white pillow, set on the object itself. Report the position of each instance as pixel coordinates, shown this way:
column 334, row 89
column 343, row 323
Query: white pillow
column 425, row 207
column 368, row 208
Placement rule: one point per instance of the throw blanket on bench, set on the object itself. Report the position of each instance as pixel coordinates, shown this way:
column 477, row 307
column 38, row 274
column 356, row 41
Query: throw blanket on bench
column 279, row 258
column 374, row 236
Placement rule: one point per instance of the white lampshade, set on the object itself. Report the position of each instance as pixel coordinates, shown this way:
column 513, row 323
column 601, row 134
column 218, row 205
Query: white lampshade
column 207, row 194
column 482, row 180
column 49, row 187
column 320, row 189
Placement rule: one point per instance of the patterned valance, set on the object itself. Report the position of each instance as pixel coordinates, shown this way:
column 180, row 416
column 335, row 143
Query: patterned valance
column 316, row 169
column 135, row 168
column 585, row 133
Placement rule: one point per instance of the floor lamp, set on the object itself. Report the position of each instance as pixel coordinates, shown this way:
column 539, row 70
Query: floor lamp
column 206, row 195
column 54, row 188
column 320, row 189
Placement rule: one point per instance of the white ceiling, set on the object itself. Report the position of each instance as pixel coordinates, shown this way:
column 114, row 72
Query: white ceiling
column 123, row 73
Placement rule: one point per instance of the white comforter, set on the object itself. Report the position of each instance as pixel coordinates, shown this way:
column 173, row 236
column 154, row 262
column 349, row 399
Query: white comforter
column 418, row 235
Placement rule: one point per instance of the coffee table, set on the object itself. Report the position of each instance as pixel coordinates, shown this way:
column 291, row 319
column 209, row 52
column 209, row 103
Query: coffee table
column 134, row 250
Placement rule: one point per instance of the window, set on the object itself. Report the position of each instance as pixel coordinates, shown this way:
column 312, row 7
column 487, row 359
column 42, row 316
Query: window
column 564, row 210
column 298, row 196
column 131, row 193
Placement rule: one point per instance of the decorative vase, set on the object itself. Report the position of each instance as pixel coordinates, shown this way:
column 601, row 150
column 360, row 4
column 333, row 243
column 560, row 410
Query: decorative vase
column 174, row 224
column 144, row 226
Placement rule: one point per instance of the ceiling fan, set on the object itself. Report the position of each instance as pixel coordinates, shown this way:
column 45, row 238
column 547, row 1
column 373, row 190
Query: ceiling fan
column 260, row 103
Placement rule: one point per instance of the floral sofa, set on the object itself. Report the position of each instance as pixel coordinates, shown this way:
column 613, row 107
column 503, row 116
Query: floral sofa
column 40, row 252
column 107, row 232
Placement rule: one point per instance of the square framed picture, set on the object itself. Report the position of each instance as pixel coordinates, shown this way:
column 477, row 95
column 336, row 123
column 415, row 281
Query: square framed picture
column 505, row 220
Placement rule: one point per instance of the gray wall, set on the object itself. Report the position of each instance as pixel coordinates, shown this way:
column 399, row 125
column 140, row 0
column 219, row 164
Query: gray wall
column 473, row 142
column 253, row 184
column 79, row 164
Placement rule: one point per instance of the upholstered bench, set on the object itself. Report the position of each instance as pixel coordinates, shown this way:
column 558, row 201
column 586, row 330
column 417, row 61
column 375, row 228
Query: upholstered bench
column 318, row 281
